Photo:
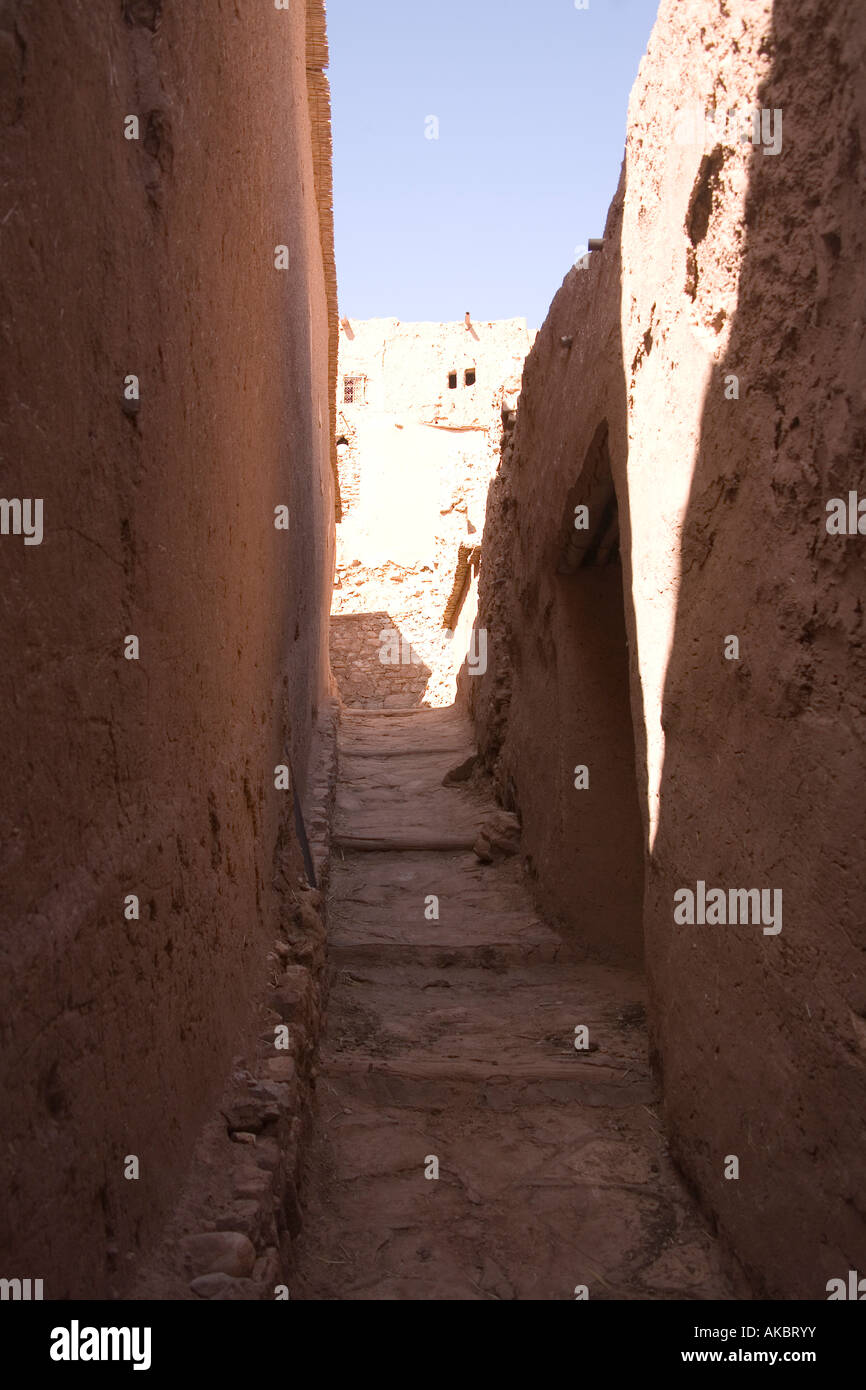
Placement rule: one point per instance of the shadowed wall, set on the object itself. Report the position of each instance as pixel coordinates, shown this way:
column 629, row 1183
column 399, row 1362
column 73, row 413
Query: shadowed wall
column 153, row 777
column 721, row 261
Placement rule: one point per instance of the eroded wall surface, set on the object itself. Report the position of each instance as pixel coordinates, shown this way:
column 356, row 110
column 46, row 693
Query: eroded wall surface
column 153, row 257
column 718, row 339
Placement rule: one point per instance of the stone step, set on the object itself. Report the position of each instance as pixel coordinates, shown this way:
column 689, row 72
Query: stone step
column 413, row 1083
column 379, row 839
column 408, row 778
column 484, row 1023
column 398, row 885
column 379, row 903
column 414, row 714
column 356, row 749
column 446, row 952
column 580, row 1190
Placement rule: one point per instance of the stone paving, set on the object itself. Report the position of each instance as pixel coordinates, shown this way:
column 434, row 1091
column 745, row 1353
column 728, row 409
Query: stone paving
column 450, row 1047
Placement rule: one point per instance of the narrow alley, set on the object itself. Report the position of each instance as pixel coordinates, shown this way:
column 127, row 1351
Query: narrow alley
column 451, row 1041
column 432, row 655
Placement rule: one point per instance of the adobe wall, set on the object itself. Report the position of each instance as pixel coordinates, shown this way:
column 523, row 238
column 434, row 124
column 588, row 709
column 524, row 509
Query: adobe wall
column 153, row 777
column 413, row 474
column 550, row 703
column 720, row 261
column 407, row 366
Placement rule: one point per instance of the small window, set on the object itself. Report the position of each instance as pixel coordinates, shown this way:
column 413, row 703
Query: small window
column 470, row 376
column 452, row 381
column 353, row 390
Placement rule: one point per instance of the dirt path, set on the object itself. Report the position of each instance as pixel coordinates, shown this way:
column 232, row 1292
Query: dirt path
column 454, row 1040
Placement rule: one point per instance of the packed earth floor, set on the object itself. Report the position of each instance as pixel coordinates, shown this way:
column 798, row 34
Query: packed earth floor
column 450, row 1049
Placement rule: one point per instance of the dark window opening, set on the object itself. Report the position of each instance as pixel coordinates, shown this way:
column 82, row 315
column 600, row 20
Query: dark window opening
column 452, row 381
column 470, row 377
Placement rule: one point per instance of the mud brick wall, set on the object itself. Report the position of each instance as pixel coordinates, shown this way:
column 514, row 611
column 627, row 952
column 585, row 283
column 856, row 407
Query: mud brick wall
column 151, row 257
column 705, row 372
column 415, row 463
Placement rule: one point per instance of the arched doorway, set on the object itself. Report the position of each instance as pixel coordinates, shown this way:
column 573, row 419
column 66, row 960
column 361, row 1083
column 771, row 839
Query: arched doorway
column 601, row 830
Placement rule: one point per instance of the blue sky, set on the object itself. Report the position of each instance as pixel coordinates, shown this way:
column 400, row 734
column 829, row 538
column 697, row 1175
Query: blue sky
column 531, row 99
